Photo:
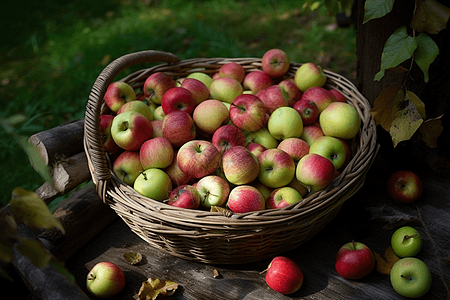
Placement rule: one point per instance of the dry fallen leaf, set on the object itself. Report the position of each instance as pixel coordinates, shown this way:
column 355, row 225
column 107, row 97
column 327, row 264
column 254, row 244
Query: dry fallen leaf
column 154, row 287
column 384, row 265
column 431, row 129
column 133, row 257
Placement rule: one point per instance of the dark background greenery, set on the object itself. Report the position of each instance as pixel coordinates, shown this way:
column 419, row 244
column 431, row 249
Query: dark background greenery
column 52, row 52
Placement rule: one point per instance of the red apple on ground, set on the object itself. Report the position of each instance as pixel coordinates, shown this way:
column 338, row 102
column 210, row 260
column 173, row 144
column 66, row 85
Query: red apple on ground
column 245, row 198
column 176, row 175
column 198, row 158
column 117, row 94
column 308, row 110
column 295, row 147
column 225, row 89
column 354, row 260
column 404, row 186
column 256, row 149
column 309, row 75
column 315, row 171
column 137, row 106
column 239, row 165
column 311, row 133
column 320, row 96
column 213, row 190
column 284, row 275
column 247, row 112
column 256, row 81
column 291, row 90
column 130, row 130
column 156, row 85
column 127, row 166
column 228, row 136
column 232, row 70
column 273, row 97
column 179, row 128
column 156, row 153
column 282, row 197
column 277, row 168
column 185, row 196
column 199, row 91
column 340, row 120
column 105, row 280
column 275, row 63
column 338, row 95
column 105, row 128
column 177, row 99
column 210, row 114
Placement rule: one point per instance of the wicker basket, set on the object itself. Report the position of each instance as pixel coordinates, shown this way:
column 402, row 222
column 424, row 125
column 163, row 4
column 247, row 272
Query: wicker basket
column 216, row 237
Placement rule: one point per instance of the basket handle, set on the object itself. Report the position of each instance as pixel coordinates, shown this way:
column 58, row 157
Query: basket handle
column 95, row 152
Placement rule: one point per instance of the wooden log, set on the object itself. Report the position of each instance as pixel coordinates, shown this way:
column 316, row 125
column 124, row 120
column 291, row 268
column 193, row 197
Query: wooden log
column 59, row 142
column 47, row 192
column 82, row 215
column 71, row 172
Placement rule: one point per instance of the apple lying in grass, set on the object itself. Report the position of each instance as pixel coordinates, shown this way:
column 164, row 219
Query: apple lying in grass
column 354, row 260
column 247, row 112
column 156, row 85
column 404, row 186
column 309, row 75
column 282, row 197
column 239, row 165
column 117, row 94
column 130, row 130
column 232, row 70
column 256, row 81
column 127, row 166
column 153, row 183
column 406, row 241
column 185, row 196
column 198, row 158
column 245, row 198
column 213, row 190
column 105, row 280
column 410, row 277
column 284, row 275
column 315, row 171
column 156, row 153
column 275, row 63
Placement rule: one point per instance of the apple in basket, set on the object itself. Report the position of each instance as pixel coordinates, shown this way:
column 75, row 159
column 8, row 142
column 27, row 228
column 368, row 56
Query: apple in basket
column 105, row 128
column 105, row 280
column 256, row 149
column 308, row 110
column 158, row 113
column 273, row 97
column 320, row 96
column 256, row 81
column 277, row 168
column 245, row 198
column 239, row 165
column 315, row 171
column 198, row 158
column 203, row 77
column 117, row 94
column 156, row 85
column 176, row 175
column 275, row 63
column 156, row 153
column 331, row 148
column 228, row 136
column 157, row 128
column 225, row 89
column 210, row 114
column 262, row 137
column 177, row 99
column 284, row 275
column 213, row 190
column 309, row 75
column 295, row 147
column 138, row 106
column 185, row 196
column 198, row 89
column 232, row 70
column 130, row 130
column 340, row 120
column 178, row 127
column 127, row 166
column 285, row 122
column 282, row 197
column 290, row 89
column 247, row 112
column 153, row 183
column 311, row 133
column 338, row 95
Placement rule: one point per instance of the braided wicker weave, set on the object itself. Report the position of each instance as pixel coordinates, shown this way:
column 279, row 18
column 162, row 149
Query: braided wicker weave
column 216, row 237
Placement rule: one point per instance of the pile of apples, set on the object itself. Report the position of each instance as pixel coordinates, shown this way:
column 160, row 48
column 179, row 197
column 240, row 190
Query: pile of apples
column 242, row 140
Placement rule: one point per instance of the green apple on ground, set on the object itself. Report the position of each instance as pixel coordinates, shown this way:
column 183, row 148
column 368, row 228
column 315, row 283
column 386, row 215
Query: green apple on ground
column 311, row 133
column 185, row 196
column 340, row 120
column 213, row 190
column 284, row 275
column 225, row 89
column 309, row 75
column 245, row 198
column 156, row 85
column 331, row 148
column 228, row 136
column 117, row 94
column 410, row 277
column 277, row 168
column 210, row 114
column 404, row 186
column 178, row 127
column 284, row 123
column 105, row 128
column 406, row 241
column 354, row 260
column 275, row 63
column 282, row 197
column 105, row 280
column 315, row 171
column 256, row 81
column 130, row 130
column 233, row 70
column 263, row 137
column 290, row 89
column 127, row 166
column 273, row 97
column 205, row 78
column 177, row 99
column 156, row 153
column 239, row 165
column 199, row 91
column 198, row 158
column 153, row 183
column 308, row 110
column 138, row 106
column 295, row 147
column 320, row 96
column 247, row 112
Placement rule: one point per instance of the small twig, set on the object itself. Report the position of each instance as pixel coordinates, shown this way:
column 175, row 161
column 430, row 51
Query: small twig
column 441, row 272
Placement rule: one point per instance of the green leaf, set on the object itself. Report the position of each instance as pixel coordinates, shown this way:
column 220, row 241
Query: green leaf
column 398, row 48
column 374, row 9
column 425, row 54
column 430, row 16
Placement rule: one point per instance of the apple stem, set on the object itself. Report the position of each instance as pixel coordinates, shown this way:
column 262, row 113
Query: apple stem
column 145, row 175
column 406, row 277
column 354, row 244
column 262, row 272
column 410, row 236
column 91, row 276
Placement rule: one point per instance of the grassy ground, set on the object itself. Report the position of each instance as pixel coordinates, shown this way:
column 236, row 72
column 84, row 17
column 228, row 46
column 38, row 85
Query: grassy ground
column 50, row 59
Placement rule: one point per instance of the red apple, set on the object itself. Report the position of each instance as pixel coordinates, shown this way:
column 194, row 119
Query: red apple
column 256, row 81
column 282, row 197
column 199, row 91
column 117, row 94
column 225, row 89
column 138, row 106
column 284, row 275
column 245, row 198
column 320, row 96
column 354, row 260
column 247, row 112
column 157, row 128
column 232, row 70
column 156, row 153
column 256, row 149
column 275, row 63
column 198, row 158
column 185, row 196
column 404, row 186
column 273, row 97
column 177, row 99
column 338, row 95
column 228, row 136
column 239, row 165
column 311, row 133
column 176, row 175
column 127, row 166
column 291, row 90
column 277, row 168
column 105, row 280
column 156, row 85
column 130, row 130
column 315, row 171
column 295, row 147
column 308, row 110
column 105, row 128
column 178, row 127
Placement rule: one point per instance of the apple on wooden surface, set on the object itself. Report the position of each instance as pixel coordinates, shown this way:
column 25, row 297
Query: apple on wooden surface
column 199, row 91
column 295, row 147
column 406, row 241
column 153, row 183
column 404, row 186
column 198, row 158
column 256, row 81
column 203, row 77
column 105, row 128
column 127, row 166
column 340, row 120
column 239, row 165
column 210, row 114
column 277, row 168
column 275, row 63
column 156, row 85
column 245, row 198
column 282, row 197
column 130, row 130
column 177, row 99
column 331, row 148
column 247, row 112
column 228, row 136
column 284, row 123
column 156, row 153
column 308, row 110
column 309, row 75
column 117, row 94
column 178, row 127
column 320, row 96
column 213, row 190
column 354, row 260
column 273, row 97
column 185, row 196
column 232, row 70
column 315, row 171
column 410, row 277
column 105, row 280
column 284, row 275
column 225, row 89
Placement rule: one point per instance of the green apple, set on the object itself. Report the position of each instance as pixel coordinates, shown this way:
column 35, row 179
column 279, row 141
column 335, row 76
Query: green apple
column 277, row 168
column 406, row 241
column 203, row 77
column 225, row 89
column 284, row 123
column 105, row 280
column 282, row 197
column 309, row 75
column 340, row 120
column 158, row 113
column 263, row 137
column 117, row 94
column 410, row 277
column 138, row 106
column 331, row 148
column 153, row 183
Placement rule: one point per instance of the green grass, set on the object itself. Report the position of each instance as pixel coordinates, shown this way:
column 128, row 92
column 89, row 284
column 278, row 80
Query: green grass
column 46, row 72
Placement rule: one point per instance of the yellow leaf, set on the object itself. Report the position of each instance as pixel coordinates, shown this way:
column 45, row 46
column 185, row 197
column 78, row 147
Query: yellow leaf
column 384, row 265
column 386, row 106
column 154, row 287
column 431, row 129
column 27, row 207
column 405, row 124
column 417, row 103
